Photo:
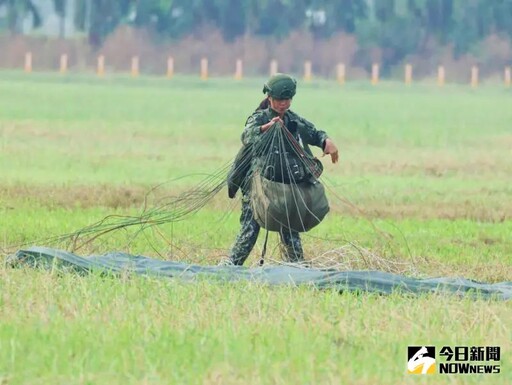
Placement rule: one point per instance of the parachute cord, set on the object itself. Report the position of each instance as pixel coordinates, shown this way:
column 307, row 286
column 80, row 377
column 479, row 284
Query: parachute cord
column 264, row 251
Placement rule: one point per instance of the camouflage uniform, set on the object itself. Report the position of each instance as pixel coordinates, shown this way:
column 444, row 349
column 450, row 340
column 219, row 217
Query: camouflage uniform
column 246, row 238
column 306, row 134
column 302, row 130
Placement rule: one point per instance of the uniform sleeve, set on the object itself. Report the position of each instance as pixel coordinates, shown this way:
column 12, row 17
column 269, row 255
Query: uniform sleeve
column 311, row 135
column 252, row 128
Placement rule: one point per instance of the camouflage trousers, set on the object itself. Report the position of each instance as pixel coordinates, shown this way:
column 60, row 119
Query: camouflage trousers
column 248, row 234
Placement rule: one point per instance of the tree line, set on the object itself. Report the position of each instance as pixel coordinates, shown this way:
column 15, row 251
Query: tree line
column 398, row 27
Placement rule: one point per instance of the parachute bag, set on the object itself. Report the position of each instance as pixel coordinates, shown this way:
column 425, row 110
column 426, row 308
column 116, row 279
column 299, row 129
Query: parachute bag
column 297, row 207
column 239, row 170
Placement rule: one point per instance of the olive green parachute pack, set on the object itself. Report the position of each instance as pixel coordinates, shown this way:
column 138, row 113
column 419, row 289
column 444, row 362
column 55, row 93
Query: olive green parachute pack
column 297, row 207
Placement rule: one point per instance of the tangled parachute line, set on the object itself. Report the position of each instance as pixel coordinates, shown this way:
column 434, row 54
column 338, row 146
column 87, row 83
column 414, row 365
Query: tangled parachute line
column 279, row 176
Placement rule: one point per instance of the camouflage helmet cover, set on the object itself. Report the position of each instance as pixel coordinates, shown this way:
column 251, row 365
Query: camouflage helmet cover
column 280, row 86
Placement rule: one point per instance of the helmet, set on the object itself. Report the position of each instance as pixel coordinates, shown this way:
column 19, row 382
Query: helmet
column 280, row 86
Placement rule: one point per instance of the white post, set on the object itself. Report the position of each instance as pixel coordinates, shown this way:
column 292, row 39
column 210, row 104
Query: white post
column 239, row 69
column 474, row 76
column 101, row 65
column 408, row 74
column 204, row 68
column 375, row 74
column 340, row 73
column 28, row 62
column 170, row 67
column 63, row 63
column 273, row 67
column 307, row 71
column 440, row 76
column 135, row 66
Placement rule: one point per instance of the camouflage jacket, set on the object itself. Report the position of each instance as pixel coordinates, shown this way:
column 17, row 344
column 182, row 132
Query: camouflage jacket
column 304, row 131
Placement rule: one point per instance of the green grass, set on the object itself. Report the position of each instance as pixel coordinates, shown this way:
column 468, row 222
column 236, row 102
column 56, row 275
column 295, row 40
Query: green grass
column 71, row 329
column 423, row 184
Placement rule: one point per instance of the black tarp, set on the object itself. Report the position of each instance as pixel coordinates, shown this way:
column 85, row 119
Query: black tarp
column 360, row 281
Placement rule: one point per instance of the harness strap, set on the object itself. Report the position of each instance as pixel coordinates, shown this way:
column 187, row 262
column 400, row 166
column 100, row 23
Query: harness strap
column 264, row 251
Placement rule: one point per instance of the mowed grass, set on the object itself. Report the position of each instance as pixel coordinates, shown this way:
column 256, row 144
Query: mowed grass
column 423, row 185
column 105, row 330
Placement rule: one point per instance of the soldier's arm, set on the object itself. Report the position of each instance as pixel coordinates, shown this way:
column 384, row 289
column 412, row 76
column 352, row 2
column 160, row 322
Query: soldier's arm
column 311, row 135
column 253, row 126
column 314, row 137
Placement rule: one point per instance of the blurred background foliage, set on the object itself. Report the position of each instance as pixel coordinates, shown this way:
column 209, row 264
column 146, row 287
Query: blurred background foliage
column 397, row 28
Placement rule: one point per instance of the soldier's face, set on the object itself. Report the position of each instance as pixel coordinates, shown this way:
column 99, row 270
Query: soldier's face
column 280, row 105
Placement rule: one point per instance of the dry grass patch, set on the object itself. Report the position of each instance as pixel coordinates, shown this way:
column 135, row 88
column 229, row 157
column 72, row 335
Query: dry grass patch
column 75, row 196
column 493, row 212
column 470, row 206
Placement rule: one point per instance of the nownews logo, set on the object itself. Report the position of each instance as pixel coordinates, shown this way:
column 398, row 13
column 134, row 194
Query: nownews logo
column 457, row 360
column 422, row 359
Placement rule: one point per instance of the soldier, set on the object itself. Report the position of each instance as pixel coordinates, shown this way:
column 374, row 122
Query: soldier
column 274, row 109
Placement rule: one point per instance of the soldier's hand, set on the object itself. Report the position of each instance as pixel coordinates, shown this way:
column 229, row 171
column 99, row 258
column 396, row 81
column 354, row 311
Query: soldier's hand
column 275, row 120
column 331, row 149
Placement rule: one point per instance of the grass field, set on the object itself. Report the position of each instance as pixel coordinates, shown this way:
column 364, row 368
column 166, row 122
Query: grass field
column 424, row 186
